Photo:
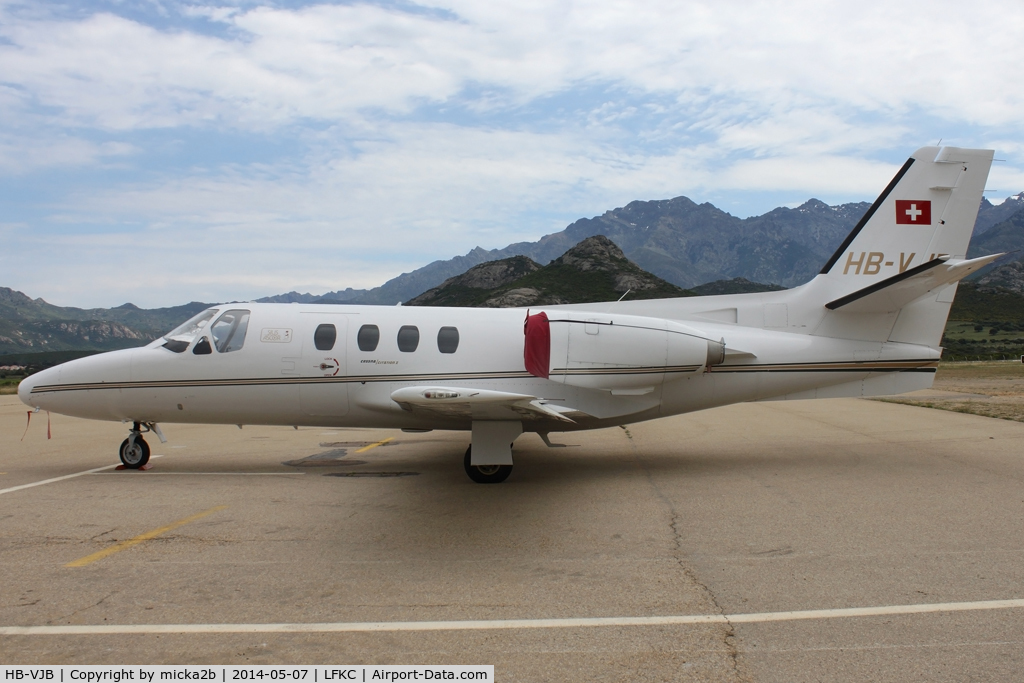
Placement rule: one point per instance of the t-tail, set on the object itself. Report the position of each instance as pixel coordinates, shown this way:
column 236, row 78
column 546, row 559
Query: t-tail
column 894, row 276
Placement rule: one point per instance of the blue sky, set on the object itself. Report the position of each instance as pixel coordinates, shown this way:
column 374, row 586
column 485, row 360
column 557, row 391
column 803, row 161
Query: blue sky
column 160, row 152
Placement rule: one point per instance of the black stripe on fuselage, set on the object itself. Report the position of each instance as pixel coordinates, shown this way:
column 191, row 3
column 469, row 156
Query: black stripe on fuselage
column 920, row 365
column 573, row 372
column 928, row 365
column 272, row 381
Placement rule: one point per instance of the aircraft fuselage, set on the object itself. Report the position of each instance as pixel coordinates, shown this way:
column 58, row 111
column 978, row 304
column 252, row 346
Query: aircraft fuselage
column 279, row 377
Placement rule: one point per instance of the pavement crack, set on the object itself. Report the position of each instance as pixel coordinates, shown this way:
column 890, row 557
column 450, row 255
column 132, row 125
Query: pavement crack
column 729, row 639
column 78, row 611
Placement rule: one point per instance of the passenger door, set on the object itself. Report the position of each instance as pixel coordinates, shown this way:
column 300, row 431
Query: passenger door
column 324, row 389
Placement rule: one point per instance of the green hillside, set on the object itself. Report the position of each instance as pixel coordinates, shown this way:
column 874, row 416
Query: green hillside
column 984, row 323
column 35, row 326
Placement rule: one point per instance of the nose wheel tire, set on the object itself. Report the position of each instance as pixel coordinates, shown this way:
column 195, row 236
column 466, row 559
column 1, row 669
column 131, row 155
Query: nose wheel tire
column 134, row 455
column 485, row 474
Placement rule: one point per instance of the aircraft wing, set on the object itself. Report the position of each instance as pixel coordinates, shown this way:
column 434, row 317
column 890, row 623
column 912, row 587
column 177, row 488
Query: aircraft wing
column 895, row 292
column 479, row 404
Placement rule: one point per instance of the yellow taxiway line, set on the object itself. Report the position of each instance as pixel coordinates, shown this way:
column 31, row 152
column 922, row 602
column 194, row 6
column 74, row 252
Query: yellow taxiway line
column 374, row 445
column 124, row 545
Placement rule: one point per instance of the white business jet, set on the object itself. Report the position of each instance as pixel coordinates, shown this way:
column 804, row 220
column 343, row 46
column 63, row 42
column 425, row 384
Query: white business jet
column 869, row 324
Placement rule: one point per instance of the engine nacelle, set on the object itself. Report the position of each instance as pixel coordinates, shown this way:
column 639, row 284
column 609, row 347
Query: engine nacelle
column 620, row 353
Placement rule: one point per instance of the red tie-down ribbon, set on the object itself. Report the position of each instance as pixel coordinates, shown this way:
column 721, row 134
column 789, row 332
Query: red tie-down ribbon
column 29, row 422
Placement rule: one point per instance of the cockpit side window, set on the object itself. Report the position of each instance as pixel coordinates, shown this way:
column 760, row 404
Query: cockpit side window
column 229, row 330
column 180, row 337
column 202, row 347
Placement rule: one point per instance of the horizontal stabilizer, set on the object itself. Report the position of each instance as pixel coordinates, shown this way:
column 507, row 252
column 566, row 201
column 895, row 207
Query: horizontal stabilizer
column 478, row 404
column 895, row 292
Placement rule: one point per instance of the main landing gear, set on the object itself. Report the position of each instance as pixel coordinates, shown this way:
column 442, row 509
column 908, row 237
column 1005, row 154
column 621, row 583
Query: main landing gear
column 134, row 451
column 492, row 461
column 485, row 474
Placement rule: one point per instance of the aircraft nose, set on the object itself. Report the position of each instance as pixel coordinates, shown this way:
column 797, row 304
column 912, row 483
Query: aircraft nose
column 26, row 385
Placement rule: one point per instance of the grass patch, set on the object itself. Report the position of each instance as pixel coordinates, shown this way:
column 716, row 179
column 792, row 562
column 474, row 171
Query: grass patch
column 999, row 386
column 1009, row 370
column 9, row 385
column 1002, row 411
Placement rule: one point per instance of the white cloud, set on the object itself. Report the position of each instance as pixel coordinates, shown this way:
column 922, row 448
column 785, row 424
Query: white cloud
column 416, row 133
column 1005, row 180
column 414, row 195
column 20, row 155
column 276, row 65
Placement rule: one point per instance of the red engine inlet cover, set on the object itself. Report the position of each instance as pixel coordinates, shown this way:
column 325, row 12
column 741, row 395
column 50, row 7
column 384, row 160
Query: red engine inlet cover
column 537, row 351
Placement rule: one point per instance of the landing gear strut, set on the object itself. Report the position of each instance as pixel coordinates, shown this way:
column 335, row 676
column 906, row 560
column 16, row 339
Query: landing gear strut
column 134, row 450
column 485, row 474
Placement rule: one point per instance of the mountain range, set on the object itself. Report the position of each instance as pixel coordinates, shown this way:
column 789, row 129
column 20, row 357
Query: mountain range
column 683, row 244
column 688, row 244
column 33, row 325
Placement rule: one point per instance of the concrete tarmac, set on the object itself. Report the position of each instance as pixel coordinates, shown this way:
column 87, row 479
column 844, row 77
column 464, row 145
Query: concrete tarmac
column 749, row 509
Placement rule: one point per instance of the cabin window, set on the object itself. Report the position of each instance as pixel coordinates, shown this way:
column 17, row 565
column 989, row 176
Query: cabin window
column 408, row 338
column 180, row 337
column 368, row 337
column 448, row 339
column 229, row 330
column 202, row 347
column 324, row 337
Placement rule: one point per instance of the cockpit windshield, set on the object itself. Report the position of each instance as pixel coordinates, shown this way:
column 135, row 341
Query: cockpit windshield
column 180, row 337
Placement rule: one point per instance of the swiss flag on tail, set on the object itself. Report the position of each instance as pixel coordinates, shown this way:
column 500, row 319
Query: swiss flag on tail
column 913, row 212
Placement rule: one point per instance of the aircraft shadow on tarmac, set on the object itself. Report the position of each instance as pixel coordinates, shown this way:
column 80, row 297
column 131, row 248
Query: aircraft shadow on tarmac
column 535, row 463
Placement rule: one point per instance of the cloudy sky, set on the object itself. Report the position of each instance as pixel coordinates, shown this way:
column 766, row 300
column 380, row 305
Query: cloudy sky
column 159, row 152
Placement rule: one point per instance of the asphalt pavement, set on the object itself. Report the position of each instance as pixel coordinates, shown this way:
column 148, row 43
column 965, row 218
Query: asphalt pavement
column 677, row 549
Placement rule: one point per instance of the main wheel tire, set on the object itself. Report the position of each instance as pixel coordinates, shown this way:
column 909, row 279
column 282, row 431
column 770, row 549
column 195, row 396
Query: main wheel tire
column 485, row 474
column 135, row 456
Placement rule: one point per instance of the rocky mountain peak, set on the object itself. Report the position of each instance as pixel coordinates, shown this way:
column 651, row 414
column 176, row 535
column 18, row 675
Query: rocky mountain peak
column 13, row 296
column 485, row 276
column 593, row 253
column 1007, row 276
column 814, row 205
column 990, row 215
column 496, row 273
column 595, row 269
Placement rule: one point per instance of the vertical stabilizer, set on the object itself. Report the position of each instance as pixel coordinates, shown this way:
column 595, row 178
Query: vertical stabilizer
column 927, row 212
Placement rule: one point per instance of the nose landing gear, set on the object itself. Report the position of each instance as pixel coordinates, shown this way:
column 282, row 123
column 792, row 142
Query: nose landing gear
column 134, row 451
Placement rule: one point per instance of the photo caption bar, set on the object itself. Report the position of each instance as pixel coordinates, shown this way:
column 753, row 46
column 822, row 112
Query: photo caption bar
column 218, row 673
